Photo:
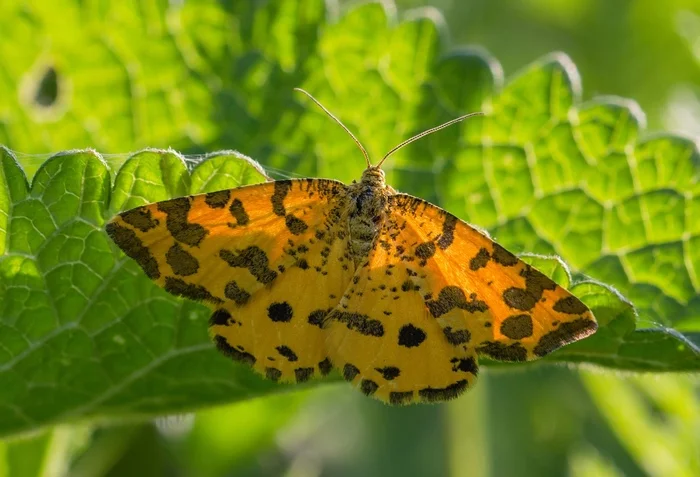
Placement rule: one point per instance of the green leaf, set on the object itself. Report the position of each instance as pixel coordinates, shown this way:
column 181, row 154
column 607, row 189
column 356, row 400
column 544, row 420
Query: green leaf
column 84, row 333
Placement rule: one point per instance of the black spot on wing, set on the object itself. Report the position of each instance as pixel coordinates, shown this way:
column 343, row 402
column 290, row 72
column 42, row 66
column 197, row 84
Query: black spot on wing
column 503, row 352
column 389, row 372
column 480, row 260
column 181, row 261
column 233, row 353
column 363, row 324
column 406, row 202
column 465, row 365
column 424, row 251
column 452, row 297
column 287, row 352
column 140, row 218
column 238, row 213
column 503, row 257
column 325, row 367
column 302, row 263
column 520, row 299
column 448, row 229
column 280, row 312
column 570, row 305
column 456, row 337
column 176, row 221
column 537, row 281
column 565, row 334
column 282, row 188
column 317, row 317
column 273, row 374
column 295, row 225
column 350, row 372
column 368, row 387
column 408, row 285
column 443, row 394
column 400, row 397
column 526, row 298
column 236, row 293
column 218, row 199
column 517, row 327
column 220, row 317
column 254, row 259
column 303, row 374
column 411, row 336
column 179, row 287
column 133, row 247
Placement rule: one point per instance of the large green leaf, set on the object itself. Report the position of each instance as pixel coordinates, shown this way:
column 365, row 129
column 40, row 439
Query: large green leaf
column 84, row 333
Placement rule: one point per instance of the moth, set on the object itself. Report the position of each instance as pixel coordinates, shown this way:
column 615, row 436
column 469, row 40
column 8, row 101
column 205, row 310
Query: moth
column 309, row 275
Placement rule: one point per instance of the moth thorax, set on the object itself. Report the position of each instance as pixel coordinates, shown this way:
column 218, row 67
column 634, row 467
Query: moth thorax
column 367, row 213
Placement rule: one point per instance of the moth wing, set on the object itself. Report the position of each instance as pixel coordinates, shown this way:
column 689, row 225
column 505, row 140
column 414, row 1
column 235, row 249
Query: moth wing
column 382, row 337
column 511, row 311
column 270, row 259
column 436, row 292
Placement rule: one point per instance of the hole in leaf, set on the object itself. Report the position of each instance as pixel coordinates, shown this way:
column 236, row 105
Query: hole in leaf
column 46, row 93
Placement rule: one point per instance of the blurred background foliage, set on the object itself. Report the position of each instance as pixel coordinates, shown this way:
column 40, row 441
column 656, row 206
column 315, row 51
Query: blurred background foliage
column 641, row 49
column 534, row 421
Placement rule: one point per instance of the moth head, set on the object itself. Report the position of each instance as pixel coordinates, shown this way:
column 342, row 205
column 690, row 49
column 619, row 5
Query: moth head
column 373, row 175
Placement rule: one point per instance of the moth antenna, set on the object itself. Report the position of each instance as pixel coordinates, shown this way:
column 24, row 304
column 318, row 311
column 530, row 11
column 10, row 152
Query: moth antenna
column 318, row 103
column 425, row 133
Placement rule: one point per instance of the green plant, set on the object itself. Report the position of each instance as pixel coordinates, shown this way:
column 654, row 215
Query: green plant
column 84, row 334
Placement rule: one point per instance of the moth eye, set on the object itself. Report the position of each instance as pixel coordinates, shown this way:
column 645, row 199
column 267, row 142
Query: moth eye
column 376, row 218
